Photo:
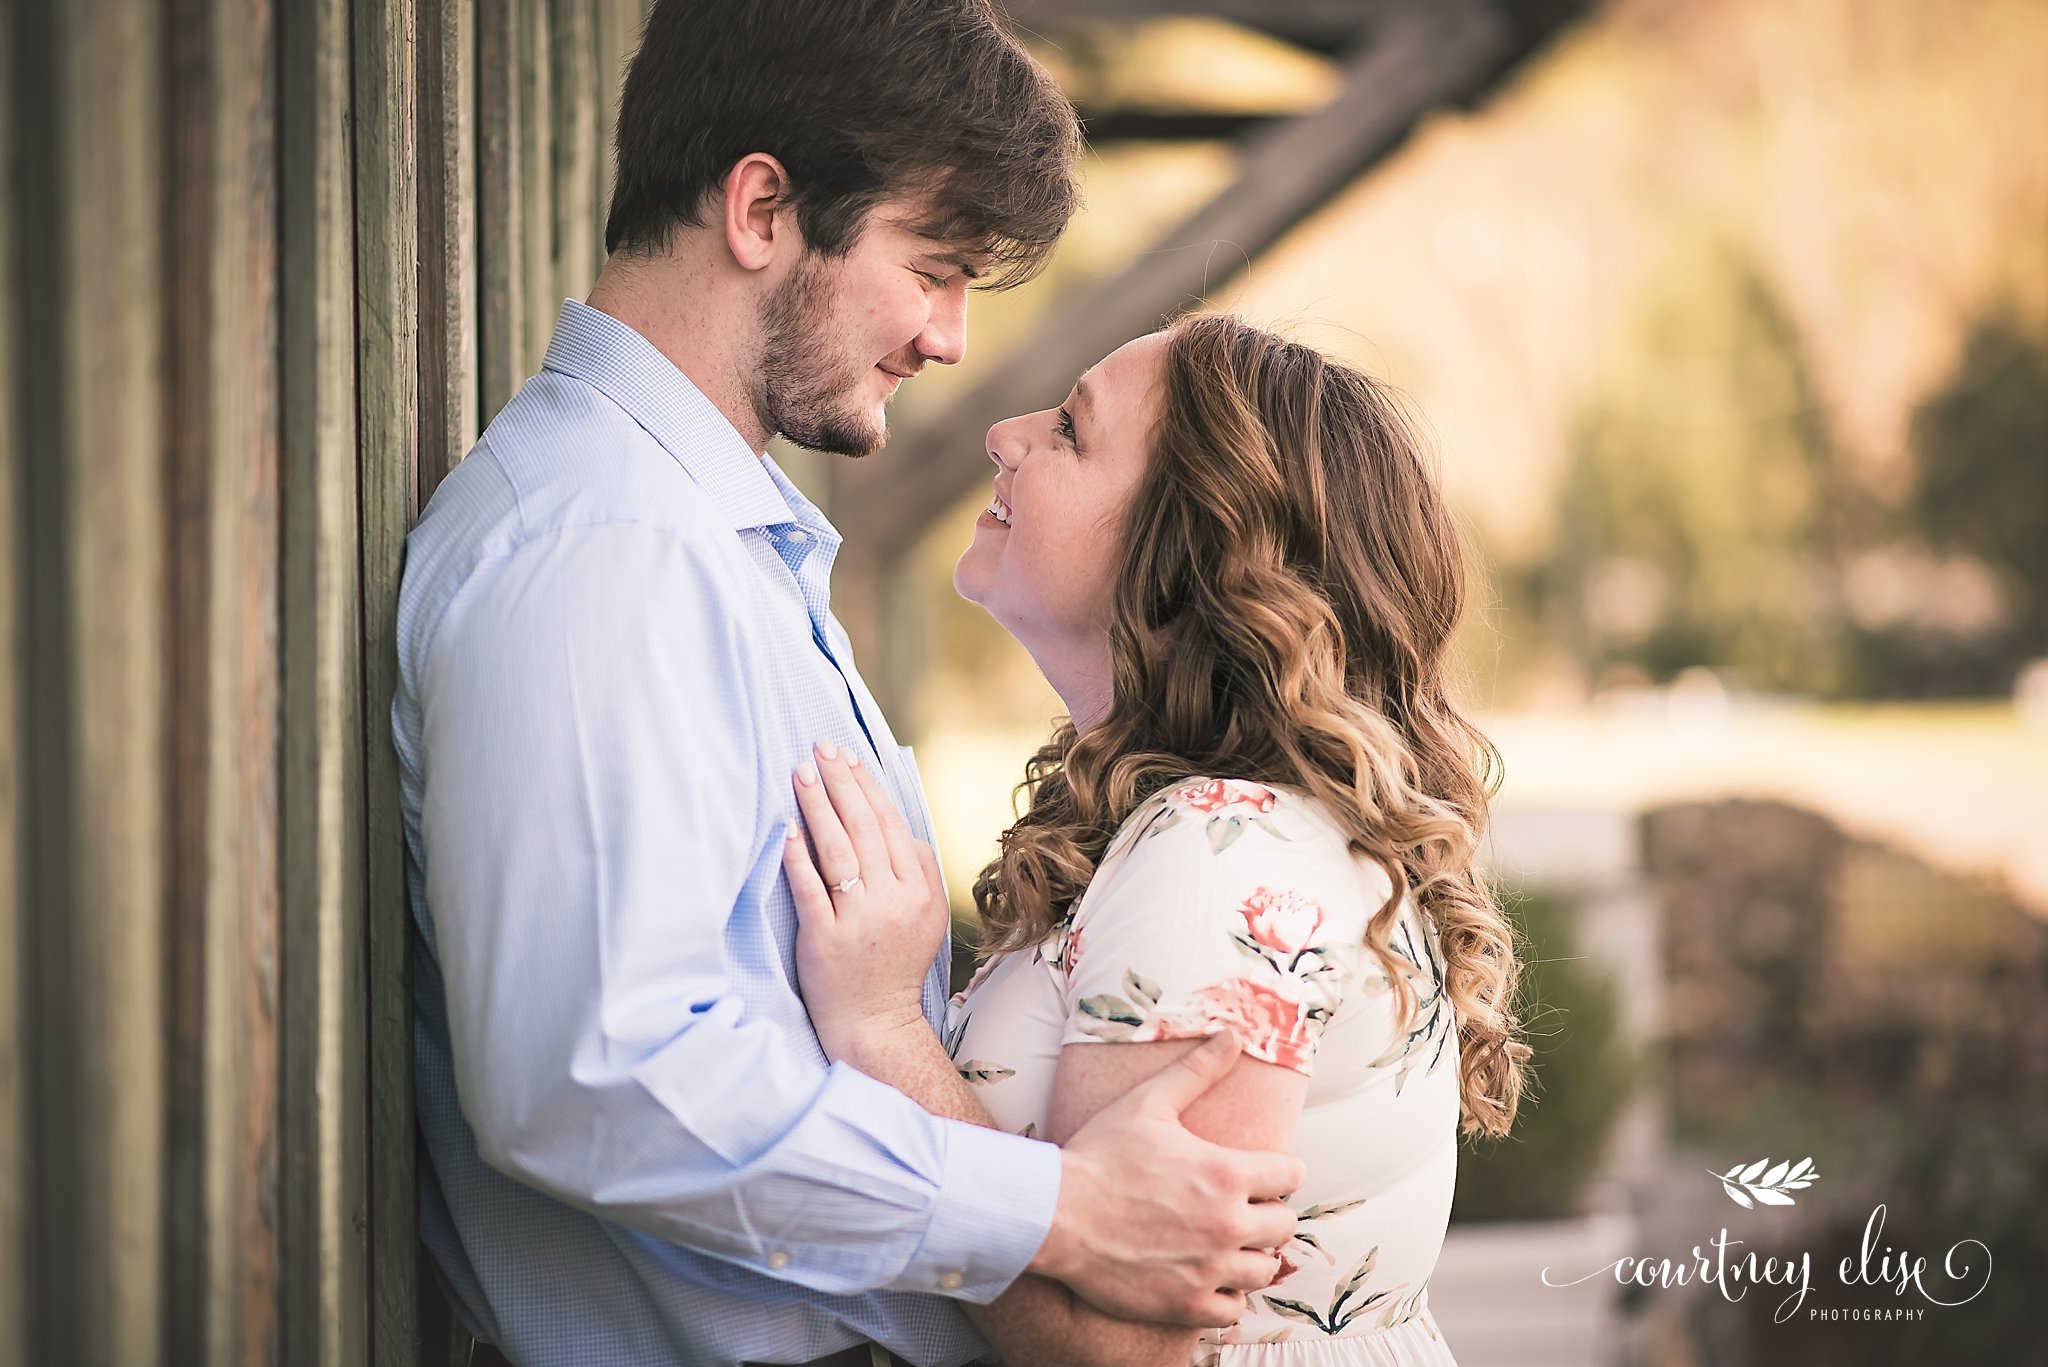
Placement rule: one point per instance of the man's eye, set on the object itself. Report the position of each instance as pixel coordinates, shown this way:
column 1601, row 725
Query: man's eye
column 937, row 282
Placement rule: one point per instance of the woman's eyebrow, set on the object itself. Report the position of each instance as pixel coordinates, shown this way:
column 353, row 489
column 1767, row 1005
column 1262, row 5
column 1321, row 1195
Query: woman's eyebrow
column 1083, row 397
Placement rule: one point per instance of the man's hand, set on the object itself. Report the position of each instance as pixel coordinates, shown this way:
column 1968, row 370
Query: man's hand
column 1156, row 1224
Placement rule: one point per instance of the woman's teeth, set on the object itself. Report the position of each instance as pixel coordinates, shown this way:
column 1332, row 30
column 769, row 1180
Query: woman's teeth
column 999, row 510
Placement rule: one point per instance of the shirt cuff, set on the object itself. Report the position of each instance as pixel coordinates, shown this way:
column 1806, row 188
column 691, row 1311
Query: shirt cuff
column 997, row 1193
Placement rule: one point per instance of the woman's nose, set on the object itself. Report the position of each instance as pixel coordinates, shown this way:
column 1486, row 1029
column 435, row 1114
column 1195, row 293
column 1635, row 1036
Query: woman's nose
column 995, row 444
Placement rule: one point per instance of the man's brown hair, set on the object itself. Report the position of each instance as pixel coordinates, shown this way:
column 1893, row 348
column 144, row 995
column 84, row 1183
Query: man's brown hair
column 861, row 101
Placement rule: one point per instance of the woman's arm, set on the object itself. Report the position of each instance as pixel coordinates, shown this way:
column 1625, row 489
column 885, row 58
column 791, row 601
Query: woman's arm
column 1038, row 1323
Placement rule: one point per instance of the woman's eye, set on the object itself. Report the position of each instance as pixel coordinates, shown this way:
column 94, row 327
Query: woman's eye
column 1066, row 427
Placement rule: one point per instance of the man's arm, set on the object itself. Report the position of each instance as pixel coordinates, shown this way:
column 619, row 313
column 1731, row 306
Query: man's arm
column 1154, row 1220
column 1039, row 1321
column 591, row 820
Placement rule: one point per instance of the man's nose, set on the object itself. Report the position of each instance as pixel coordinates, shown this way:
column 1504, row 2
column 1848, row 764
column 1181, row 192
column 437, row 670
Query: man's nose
column 944, row 338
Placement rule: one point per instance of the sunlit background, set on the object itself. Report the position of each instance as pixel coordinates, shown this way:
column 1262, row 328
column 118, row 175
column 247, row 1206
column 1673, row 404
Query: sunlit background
column 1730, row 324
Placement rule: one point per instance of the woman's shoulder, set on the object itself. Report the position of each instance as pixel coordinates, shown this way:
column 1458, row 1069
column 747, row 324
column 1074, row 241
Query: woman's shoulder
column 1223, row 900
column 1224, row 814
column 1232, row 837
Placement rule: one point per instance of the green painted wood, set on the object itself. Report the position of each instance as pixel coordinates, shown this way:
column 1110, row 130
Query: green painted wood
column 500, row 207
column 447, row 235
column 324, row 1129
column 387, row 376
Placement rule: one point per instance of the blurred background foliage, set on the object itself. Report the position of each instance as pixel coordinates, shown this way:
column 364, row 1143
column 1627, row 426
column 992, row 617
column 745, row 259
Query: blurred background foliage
column 1582, row 1072
column 1728, row 322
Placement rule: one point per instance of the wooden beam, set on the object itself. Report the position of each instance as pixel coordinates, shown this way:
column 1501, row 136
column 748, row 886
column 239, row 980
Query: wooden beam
column 500, row 207
column 1101, row 126
column 387, row 434
column 1421, row 54
column 447, row 226
column 15, row 1170
column 1319, row 25
column 85, row 290
column 324, row 1125
column 536, row 182
column 578, row 206
column 618, row 37
column 222, row 902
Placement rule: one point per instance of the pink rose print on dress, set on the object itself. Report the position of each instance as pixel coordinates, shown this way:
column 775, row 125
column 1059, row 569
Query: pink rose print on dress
column 1214, row 795
column 1270, row 1020
column 1070, row 953
column 1277, row 1013
column 1061, row 950
column 1226, row 806
column 1281, row 919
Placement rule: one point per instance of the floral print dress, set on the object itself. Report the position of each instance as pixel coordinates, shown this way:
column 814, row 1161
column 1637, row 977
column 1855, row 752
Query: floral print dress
column 1223, row 902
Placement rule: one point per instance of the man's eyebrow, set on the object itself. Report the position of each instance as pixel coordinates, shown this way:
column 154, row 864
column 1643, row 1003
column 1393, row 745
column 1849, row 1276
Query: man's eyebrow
column 973, row 265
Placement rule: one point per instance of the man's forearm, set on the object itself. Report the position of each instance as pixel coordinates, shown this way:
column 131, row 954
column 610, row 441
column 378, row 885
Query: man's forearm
column 914, row 1062
column 1035, row 1322
column 1039, row 1323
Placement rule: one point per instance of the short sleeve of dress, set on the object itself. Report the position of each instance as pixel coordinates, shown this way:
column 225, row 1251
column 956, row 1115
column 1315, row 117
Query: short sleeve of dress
column 1221, row 903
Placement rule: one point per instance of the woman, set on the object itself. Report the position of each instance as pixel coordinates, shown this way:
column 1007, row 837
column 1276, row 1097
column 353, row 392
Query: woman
column 1228, row 556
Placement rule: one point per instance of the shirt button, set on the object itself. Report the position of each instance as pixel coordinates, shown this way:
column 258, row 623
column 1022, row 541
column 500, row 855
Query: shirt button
column 799, row 535
column 778, row 1259
column 950, row 1281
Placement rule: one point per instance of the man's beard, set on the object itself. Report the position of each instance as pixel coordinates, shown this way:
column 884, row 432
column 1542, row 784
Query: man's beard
column 798, row 391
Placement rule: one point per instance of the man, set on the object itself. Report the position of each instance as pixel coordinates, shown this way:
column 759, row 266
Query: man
column 615, row 647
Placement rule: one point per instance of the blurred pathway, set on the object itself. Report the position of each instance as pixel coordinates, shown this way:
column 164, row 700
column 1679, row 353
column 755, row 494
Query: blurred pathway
column 1964, row 786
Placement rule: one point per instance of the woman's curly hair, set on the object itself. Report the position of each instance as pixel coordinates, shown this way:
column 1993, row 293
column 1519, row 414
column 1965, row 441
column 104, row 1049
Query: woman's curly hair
column 1289, row 584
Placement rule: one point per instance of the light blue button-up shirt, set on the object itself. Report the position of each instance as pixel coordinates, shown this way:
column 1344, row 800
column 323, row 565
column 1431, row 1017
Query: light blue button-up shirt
column 614, row 646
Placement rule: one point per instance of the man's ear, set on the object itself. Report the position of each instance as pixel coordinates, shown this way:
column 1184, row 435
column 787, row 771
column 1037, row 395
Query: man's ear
column 760, row 220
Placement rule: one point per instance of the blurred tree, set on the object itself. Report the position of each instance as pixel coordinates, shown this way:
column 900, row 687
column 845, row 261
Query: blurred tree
column 1705, row 513
column 1982, row 490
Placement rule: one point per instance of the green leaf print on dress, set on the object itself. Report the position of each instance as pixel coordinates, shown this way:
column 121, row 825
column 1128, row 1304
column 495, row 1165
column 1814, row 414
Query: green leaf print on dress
column 1430, row 1025
column 1231, row 806
column 1341, row 1311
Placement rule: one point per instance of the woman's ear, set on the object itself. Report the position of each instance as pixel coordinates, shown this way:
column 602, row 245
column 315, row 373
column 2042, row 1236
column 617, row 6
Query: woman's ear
column 759, row 217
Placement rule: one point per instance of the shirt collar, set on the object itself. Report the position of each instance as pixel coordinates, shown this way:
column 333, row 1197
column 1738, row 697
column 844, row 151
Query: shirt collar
column 598, row 349
column 805, row 513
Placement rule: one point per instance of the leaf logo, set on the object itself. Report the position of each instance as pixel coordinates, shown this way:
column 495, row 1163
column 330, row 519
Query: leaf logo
column 1750, row 1185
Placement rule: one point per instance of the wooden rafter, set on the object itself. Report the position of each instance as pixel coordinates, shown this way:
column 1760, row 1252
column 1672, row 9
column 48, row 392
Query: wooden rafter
column 1412, row 56
column 1320, row 25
